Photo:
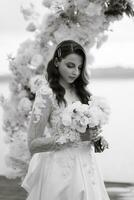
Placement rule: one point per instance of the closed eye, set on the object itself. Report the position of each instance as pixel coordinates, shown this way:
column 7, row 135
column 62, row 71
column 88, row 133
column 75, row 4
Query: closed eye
column 70, row 65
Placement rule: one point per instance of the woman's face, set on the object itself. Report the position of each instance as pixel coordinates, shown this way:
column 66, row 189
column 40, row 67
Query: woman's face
column 70, row 68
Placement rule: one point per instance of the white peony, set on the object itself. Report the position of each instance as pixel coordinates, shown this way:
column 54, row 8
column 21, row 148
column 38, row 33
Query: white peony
column 24, row 105
column 27, row 11
column 47, row 3
column 31, row 27
column 93, row 9
column 37, row 60
column 36, row 81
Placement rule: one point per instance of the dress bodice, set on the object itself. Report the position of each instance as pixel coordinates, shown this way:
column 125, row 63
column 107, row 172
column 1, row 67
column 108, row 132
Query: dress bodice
column 55, row 125
column 46, row 110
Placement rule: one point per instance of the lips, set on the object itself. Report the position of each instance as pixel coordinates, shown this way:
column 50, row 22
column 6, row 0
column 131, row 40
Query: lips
column 72, row 77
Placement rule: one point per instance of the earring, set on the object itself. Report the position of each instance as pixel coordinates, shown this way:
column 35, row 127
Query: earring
column 72, row 47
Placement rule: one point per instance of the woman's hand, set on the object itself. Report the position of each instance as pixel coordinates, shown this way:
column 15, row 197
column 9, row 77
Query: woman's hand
column 104, row 144
column 100, row 145
column 91, row 134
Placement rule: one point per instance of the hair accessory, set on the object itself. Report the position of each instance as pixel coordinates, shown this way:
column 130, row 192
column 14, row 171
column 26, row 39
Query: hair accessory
column 59, row 52
column 72, row 47
column 56, row 59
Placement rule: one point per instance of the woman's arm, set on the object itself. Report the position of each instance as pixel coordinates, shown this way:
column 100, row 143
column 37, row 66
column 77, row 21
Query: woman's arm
column 42, row 144
column 39, row 117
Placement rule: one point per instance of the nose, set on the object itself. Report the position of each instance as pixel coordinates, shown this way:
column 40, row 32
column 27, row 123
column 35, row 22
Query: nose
column 76, row 71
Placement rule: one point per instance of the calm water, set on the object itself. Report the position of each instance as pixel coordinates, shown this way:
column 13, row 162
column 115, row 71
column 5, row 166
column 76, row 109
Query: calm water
column 10, row 190
column 117, row 163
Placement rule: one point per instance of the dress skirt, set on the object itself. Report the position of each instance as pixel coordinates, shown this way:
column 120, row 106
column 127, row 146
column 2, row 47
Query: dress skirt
column 68, row 174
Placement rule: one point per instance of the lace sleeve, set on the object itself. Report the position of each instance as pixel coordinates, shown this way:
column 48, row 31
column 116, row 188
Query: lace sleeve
column 39, row 117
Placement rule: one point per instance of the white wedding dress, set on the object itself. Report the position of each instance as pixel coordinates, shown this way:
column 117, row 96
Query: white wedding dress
column 67, row 174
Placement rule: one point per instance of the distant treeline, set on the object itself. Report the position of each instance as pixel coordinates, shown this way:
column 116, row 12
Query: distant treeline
column 5, row 78
column 97, row 73
column 112, row 72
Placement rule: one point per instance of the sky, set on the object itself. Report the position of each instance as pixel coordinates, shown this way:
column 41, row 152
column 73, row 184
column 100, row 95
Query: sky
column 117, row 50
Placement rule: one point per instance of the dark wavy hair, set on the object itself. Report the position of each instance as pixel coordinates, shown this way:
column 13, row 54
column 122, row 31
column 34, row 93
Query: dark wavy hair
column 65, row 48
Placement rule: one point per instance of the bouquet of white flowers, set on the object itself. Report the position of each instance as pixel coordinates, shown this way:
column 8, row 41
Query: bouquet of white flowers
column 78, row 117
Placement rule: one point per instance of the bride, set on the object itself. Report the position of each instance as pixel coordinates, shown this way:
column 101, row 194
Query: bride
column 59, row 170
